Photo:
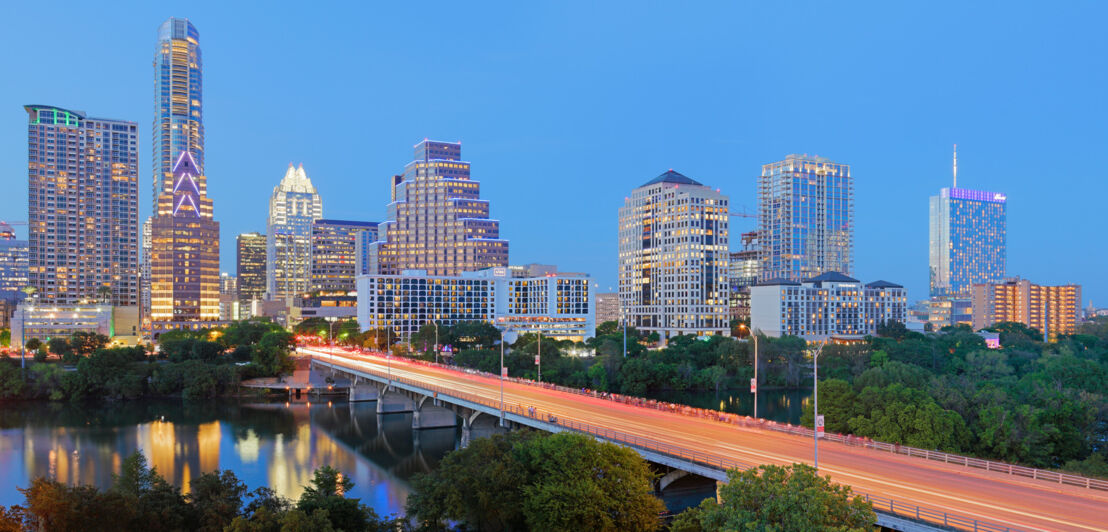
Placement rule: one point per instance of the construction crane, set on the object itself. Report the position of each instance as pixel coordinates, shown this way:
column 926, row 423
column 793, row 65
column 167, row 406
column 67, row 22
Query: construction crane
column 742, row 214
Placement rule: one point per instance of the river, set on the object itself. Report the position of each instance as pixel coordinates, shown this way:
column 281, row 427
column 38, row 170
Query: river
column 273, row 444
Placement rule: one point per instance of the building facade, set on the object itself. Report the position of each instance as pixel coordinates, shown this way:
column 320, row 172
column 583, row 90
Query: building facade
column 437, row 220
column 250, row 257
column 673, row 257
column 805, row 218
column 178, row 122
column 968, row 231
column 293, row 207
column 558, row 306
column 184, row 253
column 13, row 264
column 744, row 271
column 82, row 207
column 1053, row 310
column 828, row 307
column 334, row 253
column 607, row 307
column 44, row 321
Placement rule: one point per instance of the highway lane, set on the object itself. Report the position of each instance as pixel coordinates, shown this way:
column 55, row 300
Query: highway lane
column 993, row 497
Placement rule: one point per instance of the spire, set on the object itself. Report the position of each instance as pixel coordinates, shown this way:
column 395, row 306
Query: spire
column 955, row 166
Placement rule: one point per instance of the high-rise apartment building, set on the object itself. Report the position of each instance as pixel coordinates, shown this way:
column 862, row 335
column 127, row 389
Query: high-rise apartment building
column 334, row 253
column 250, row 268
column 968, row 232
column 184, row 253
column 293, row 207
column 178, row 121
column 437, row 220
column 805, row 218
column 82, row 207
column 673, row 257
column 607, row 307
column 1053, row 310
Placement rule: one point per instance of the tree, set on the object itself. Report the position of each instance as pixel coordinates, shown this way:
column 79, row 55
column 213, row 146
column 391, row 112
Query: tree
column 12, row 384
column 524, row 480
column 216, row 498
column 60, row 347
column 326, row 494
column 779, row 498
column 33, row 344
column 85, row 343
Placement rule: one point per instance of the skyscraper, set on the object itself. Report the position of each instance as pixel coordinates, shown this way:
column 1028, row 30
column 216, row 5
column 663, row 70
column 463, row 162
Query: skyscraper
column 293, row 207
column 178, row 125
column 250, row 268
column 334, row 246
column 673, row 257
column 82, row 207
column 805, row 218
column 13, row 272
column 184, row 254
column 968, row 233
column 437, row 220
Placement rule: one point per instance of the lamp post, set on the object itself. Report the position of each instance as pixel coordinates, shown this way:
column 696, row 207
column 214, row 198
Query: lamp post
column 538, row 357
column 755, row 373
column 388, row 351
column 501, row 377
column 436, row 323
column 331, row 337
column 815, row 405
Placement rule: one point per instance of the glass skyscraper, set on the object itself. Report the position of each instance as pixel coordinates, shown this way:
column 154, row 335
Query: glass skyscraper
column 13, row 265
column 437, row 220
column 968, row 241
column 182, row 254
column 82, row 207
column 250, row 268
column 334, row 253
column 805, row 218
column 295, row 204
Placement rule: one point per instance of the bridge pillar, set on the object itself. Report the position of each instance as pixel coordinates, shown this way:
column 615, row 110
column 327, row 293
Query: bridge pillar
column 480, row 425
column 391, row 402
column 363, row 391
column 430, row 416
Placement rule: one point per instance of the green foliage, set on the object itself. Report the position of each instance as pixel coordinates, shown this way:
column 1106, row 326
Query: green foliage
column 140, row 499
column 60, row 346
column 11, row 382
column 247, row 332
column 33, row 344
column 524, row 480
column 85, row 343
column 271, row 353
column 771, row 498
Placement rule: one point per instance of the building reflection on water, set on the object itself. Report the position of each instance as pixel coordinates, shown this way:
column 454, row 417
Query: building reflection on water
column 266, row 444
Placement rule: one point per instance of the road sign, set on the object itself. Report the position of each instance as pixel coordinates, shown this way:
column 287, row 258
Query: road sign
column 536, row 360
column 753, row 385
column 503, row 372
column 819, row 426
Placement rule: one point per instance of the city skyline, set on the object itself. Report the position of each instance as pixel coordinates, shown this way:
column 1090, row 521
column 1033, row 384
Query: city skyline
column 895, row 171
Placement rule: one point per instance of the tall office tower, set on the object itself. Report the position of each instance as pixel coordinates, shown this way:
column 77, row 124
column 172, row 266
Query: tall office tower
column 184, row 253
column 363, row 244
column 673, row 257
column 250, row 268
column 805, row 218
column 83, row 207
column 295, row 204
column 968, row 233
column 334, row 246
column 437, row 220
column 1053, row 310
column 178, row 120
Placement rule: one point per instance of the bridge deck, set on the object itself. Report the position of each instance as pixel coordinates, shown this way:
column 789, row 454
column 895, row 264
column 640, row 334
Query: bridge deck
column 1022, row 504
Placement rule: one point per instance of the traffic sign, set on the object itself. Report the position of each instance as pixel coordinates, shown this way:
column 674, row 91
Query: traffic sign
column 819, row 426
column 503, row 372
column 536, row 360
column 753, row 385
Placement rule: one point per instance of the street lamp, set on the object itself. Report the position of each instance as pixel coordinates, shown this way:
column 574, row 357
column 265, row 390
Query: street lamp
column 815, row 406
column 538, row 357
column 755, row 383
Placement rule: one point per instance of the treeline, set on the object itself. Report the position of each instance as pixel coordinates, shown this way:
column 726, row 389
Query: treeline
column 191, row 364
column 1029, row 402
column 141, row 500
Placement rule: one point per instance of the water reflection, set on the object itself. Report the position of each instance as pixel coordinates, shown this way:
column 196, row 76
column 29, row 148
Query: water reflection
column 784, row 406
column 273, row 444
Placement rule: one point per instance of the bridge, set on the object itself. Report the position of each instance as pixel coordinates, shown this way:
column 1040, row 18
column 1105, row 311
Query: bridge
column 910, row 493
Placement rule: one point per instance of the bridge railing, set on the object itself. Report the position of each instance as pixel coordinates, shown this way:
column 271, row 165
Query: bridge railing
column 845, row 439
column 722, row 463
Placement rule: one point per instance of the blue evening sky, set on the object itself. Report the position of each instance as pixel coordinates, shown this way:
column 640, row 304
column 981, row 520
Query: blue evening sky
column 564, row 107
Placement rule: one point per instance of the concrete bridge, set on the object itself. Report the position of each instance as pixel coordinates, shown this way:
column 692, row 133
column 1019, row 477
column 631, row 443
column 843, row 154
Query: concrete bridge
column 909, row 494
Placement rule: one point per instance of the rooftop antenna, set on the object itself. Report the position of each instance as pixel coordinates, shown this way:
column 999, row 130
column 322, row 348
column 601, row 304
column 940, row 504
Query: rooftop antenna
column 955, row 166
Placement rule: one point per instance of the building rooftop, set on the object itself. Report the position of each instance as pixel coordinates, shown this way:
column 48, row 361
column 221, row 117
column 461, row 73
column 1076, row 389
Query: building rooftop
column 778, row 281
column 883, row 284
column 673, row 177
column 831, row 277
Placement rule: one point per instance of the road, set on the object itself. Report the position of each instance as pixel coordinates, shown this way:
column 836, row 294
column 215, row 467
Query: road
column 1000, row 499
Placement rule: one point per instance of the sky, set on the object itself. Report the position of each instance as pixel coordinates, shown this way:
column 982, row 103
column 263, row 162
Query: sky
column 564, row 107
